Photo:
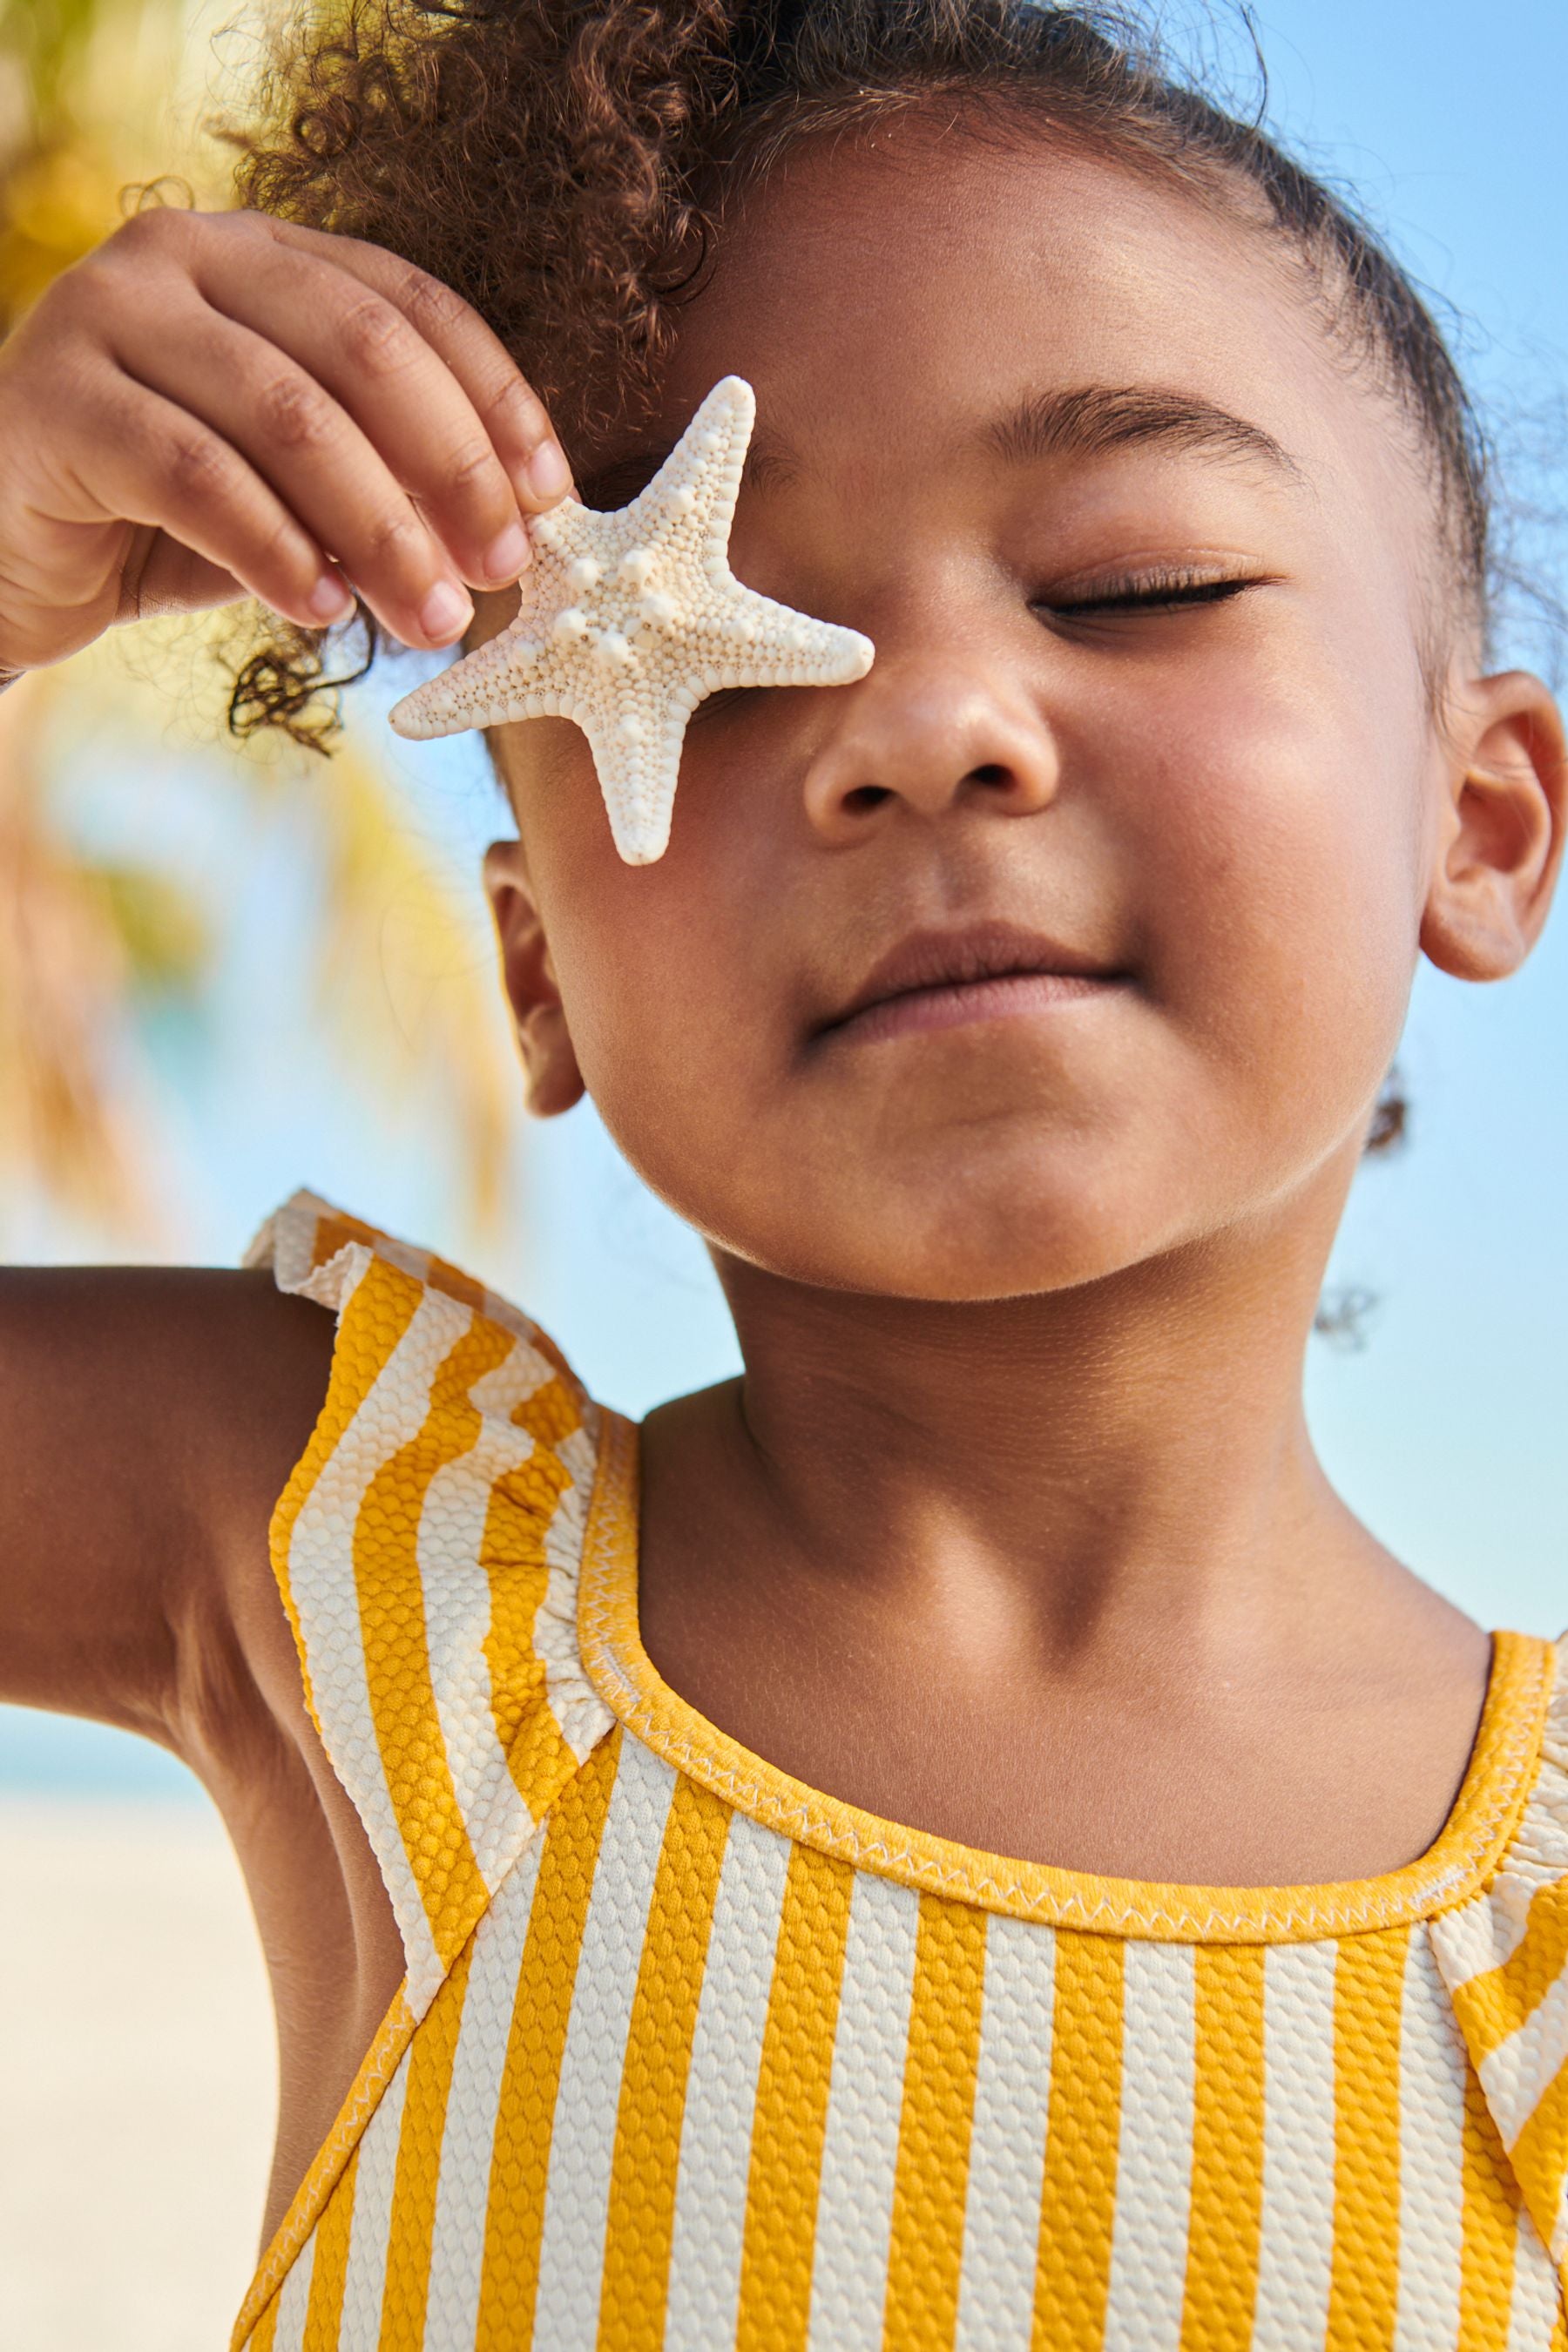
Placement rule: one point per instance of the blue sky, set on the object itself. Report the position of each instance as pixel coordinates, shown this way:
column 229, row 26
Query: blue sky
column 1445, row 1429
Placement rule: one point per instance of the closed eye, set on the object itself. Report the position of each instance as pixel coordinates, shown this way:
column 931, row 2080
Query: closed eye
column 1160, row 596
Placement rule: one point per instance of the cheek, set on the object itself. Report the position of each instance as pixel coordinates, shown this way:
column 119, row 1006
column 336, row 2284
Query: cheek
column 1279, row 819
column 663, row 1000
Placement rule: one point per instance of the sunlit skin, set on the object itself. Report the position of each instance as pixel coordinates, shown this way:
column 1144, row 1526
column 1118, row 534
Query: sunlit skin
column 1013, row 1528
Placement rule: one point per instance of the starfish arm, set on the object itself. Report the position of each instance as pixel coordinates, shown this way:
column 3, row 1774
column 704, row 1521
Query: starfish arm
column 699, row 481
column 637, row 772
column 777, row 646
column 484, row 689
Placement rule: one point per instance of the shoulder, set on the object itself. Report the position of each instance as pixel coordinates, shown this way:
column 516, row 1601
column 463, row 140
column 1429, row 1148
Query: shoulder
column 145, row 1412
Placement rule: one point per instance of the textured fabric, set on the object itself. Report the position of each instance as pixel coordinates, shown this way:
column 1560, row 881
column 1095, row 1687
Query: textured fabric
column 688, row 2054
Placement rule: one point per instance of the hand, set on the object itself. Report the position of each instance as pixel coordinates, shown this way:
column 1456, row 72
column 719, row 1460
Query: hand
column 215, row 405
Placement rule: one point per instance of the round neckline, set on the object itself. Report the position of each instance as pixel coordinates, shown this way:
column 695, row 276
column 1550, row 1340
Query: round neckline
column 1466, row 1853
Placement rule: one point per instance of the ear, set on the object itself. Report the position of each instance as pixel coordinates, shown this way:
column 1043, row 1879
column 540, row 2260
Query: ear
column 549, row 1058
column 1500, row 827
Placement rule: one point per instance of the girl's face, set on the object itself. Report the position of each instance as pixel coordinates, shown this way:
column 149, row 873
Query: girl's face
column 1009, row 397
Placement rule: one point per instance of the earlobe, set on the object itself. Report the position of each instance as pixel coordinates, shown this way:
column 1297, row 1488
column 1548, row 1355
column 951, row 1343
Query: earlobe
column 1501, row 828
column 552, row 1079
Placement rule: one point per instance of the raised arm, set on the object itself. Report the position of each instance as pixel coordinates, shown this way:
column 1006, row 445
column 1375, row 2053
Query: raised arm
column 209, row 407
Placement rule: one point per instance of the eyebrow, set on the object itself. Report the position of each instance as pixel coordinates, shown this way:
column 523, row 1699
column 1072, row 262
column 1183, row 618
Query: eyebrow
column 1096, row 419
column 1088, row 421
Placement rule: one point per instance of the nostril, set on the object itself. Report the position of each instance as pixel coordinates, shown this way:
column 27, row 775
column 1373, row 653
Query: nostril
column 993, row 772
column 866, row 796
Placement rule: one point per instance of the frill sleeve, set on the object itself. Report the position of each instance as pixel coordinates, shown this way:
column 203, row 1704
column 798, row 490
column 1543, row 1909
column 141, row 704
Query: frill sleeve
column 1503, row 1957
column 427, row 1549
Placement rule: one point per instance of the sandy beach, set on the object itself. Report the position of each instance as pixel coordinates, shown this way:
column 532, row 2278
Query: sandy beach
column 137, row 2074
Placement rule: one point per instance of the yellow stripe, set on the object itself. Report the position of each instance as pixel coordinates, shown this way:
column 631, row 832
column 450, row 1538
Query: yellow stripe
column 1226, row 2212
column 925, row 2251
column 792, row 2104
column 1490, row 2230
column 1540, row 2156
column 1560, row 2332
column 1493, row 2005
column 640, row 2225
column 372, row 1322
column 330, row 2268
column 541, row 2012
column 551, row 1413
column 266, row 2329
column 396, row 1653
column 1369, row 1997
column 522, row 1503
column 430, row 2057
column 1083, row 2121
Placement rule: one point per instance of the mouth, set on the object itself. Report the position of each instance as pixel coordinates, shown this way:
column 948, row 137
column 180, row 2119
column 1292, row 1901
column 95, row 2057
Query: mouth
column 939, row 980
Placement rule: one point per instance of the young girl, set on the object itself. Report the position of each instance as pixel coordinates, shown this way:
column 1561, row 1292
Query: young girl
column 958, row 1836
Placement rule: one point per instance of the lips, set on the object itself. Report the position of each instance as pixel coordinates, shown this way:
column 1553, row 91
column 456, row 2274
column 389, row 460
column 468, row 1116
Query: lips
column 929, row 963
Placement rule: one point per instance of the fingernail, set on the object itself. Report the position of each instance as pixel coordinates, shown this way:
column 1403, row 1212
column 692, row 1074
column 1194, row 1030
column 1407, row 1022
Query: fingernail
column 445, row 613
column 508, row 555
column 331, row 599
column 548, row 472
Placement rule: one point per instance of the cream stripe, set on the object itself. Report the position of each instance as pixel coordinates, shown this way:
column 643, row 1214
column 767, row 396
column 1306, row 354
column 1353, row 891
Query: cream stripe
column 1484, row 1934
column 1433, row 2068
column 1295, row 2252
column 861, row 2147
column 322, row 1584
column 583, row 2141
column 462, row 2189
column 365, row 2285
column 1007, row 2142
column 456, row 1589
column 720, row 2091
column 1154, row 2173
column 294, row 2299
column 1537, row 2295
column 1518, row 2073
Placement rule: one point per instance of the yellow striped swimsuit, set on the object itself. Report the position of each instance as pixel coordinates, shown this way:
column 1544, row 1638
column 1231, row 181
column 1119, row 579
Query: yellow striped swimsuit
column 689, row 2054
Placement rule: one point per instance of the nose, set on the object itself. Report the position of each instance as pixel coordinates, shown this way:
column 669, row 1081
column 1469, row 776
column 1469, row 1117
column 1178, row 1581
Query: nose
column 930, row 731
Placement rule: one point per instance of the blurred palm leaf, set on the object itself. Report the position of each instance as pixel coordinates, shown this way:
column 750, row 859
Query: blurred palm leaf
column 90, row 941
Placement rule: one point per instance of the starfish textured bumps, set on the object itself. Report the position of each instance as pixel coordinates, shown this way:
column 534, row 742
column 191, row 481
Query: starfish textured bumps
column 628, row 620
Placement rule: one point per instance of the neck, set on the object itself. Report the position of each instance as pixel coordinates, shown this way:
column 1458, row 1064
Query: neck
column 1125, row 1459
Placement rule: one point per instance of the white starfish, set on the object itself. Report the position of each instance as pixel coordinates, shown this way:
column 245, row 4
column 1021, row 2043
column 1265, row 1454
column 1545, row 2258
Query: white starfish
column 628, row 620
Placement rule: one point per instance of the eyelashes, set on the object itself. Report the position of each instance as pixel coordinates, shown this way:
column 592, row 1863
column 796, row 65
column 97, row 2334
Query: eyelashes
column 1166, row 592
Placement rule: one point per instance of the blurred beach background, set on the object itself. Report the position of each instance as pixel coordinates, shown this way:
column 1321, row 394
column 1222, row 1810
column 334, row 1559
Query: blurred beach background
column 225, row 974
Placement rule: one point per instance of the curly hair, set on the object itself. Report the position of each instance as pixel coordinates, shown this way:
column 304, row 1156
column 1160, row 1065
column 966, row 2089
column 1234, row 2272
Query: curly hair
column 563, row 165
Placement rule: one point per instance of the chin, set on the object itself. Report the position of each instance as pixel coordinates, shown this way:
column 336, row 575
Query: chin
column 968, row 1245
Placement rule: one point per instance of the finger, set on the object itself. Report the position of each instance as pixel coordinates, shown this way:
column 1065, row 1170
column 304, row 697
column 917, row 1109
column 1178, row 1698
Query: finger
column 311, row 454
column 506, row 404
column 151, row 462
column 172, row 578
column 401, row 392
